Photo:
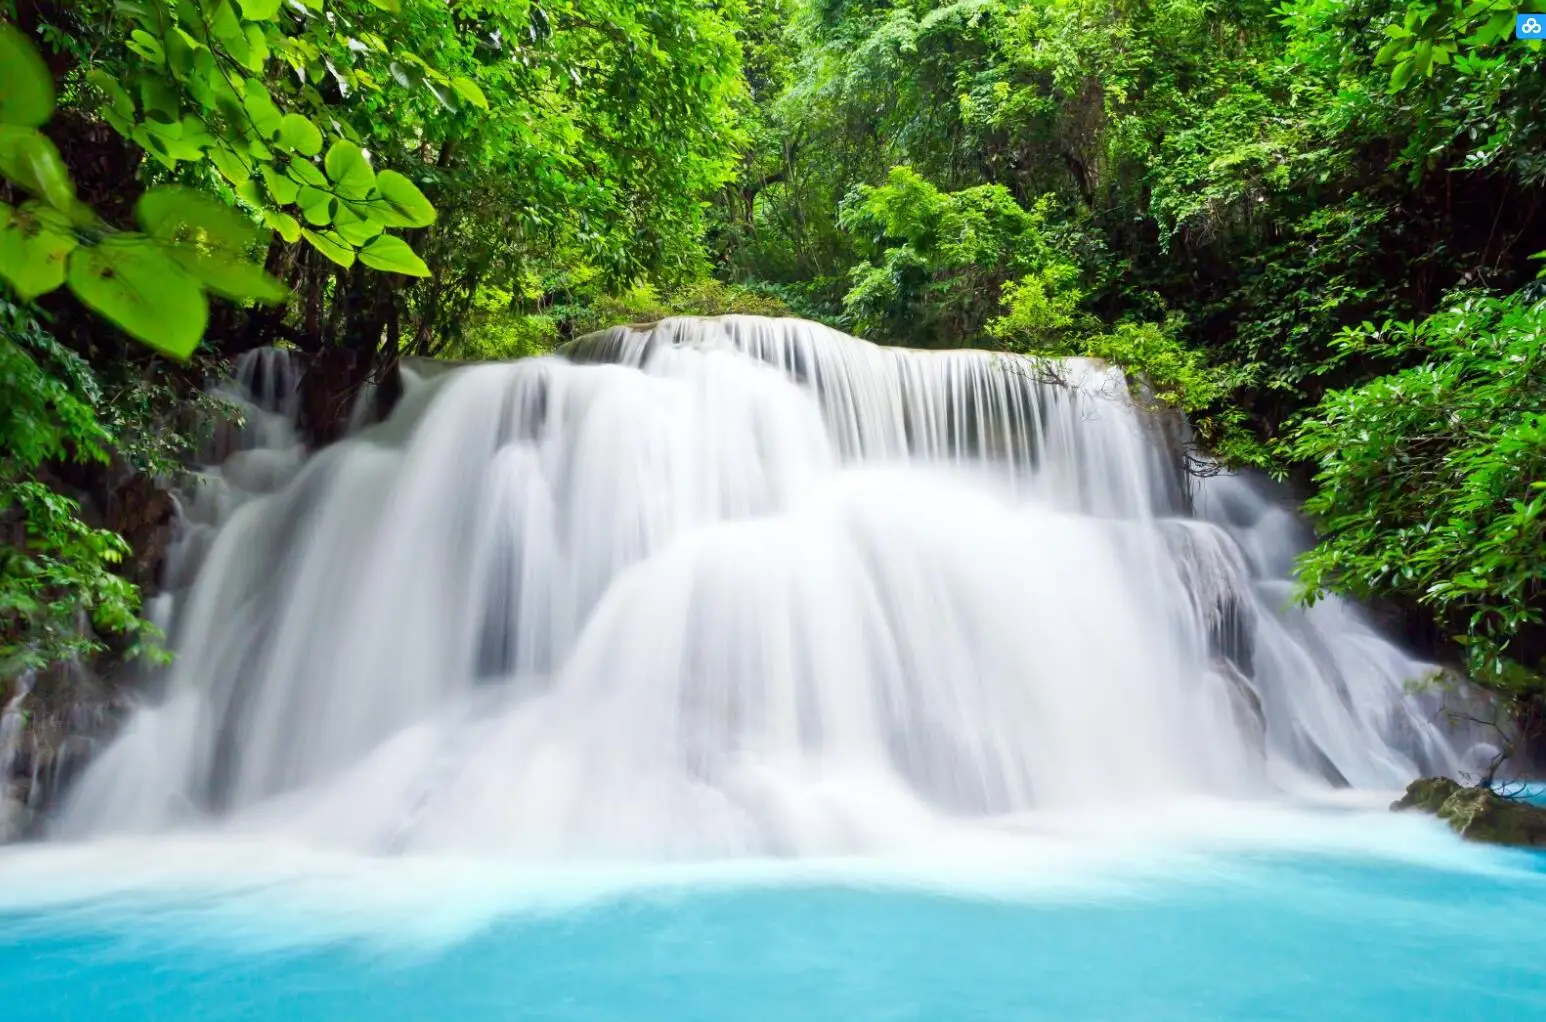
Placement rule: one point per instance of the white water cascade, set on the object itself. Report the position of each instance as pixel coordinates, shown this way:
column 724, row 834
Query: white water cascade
column 738, row 586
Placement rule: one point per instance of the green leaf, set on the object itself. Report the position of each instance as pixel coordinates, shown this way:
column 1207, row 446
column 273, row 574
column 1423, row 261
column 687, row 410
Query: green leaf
column 388, row 5
column 31, row 161
column 260, row 10
column 231, row 166
column 283, row 189
column 235, row 278
column 159, row 99
column 349, row 170
column 307, row 174
column 132, row 281
column 257, row 49
column 181, row 215
column 288, row 227
column 26, row 88
column 1402, row 74
column 355, row 229
column 317, row 206
column 147, row 46
column 32, row 252
column 468, row 90
column 118, row 99
column 393, row 255
column 407, row 205
column 330, row 245
column 300, row 134
column 261, row 109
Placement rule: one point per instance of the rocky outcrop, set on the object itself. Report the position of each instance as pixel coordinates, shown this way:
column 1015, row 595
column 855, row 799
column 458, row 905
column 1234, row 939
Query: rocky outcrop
column 1476, row 813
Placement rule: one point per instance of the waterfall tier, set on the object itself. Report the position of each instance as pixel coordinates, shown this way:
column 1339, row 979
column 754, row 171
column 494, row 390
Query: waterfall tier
column 735, row 586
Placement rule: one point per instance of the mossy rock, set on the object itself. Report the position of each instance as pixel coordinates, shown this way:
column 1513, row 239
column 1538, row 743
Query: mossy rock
column 1427, row 793
column 1478, row 814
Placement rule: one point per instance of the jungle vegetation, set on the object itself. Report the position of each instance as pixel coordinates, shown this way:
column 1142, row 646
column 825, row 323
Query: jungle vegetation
column 1317, row 226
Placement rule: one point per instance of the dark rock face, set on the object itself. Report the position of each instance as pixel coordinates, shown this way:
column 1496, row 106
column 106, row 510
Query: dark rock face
column 143, row 514
column 1478, row 814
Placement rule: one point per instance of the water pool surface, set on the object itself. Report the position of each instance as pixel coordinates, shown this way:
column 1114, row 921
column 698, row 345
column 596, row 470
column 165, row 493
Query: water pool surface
column 1394, row 932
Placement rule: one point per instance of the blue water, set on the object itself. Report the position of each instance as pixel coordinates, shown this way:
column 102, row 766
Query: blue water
column 1230, row 935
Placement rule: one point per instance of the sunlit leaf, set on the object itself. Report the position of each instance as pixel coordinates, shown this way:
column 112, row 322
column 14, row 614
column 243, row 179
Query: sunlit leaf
column 354, row 229
column 330, row 245
column 224, row 274
column 132, row 281
column 349, row 171
column 392, row 254
column 283, row 189
column 317, row 206
column 300, row 134
column 26, row 87
column 32, row 252
column 265, row 116
column 468, row 90
column 288, row 227
column 260, row 10
column 407, row 205
column 306, row 174
column 31, row 161
column 147, row 46
column 176, row 214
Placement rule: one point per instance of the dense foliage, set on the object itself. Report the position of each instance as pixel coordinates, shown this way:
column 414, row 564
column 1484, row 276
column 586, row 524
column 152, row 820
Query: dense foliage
column 1224, row 199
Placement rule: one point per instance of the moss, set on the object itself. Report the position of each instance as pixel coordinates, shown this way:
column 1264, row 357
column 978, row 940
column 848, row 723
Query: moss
column 1427, row 794
column 1478, row 814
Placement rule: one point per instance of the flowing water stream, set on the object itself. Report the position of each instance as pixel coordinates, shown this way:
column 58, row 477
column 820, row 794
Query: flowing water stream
column 739, row 668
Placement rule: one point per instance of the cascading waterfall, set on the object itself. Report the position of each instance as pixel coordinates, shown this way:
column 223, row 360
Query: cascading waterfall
column 738, row 586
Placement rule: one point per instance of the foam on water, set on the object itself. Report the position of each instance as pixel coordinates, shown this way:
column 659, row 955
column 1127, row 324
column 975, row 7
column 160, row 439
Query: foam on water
column 1200, row 910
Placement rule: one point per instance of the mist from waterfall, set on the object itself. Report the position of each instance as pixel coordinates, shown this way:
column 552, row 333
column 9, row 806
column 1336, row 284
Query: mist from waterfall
column 737, row 586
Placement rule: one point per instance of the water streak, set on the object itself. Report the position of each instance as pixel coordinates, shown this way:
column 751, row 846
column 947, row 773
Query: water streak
column 738, row 586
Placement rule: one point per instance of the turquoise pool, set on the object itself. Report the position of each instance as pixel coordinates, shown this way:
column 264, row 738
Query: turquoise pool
column 1410, row 927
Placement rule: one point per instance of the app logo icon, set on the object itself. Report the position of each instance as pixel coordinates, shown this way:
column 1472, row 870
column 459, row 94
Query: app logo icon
column 1530, row 26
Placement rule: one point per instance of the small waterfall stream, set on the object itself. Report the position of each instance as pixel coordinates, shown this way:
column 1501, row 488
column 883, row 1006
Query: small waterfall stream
column 737, row 586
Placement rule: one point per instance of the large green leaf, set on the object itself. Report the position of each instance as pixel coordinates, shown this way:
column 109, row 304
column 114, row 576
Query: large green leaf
column 283, row 189
column 330, row 245
column 317, row 206
column 228, row 275
column 468, row 90
column 181, row 215
column 33, row 251
column 288, row 227
column 260, row 10
column 26, row 87
column 131, row 280
column 349, row 170
column 306, row 173
column 232, row 166
column 300, row 134
column 354, row 229
column 31, row 161
column 407, row 205
column 265, row 116
column 393, row 255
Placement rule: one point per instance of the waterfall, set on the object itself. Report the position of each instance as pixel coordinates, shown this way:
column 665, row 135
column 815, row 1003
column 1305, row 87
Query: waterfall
column 738, row 586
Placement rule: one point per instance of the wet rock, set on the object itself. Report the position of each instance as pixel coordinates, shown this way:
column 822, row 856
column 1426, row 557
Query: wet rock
column 1478, row 814
column 143, row 513
column 1427, row 793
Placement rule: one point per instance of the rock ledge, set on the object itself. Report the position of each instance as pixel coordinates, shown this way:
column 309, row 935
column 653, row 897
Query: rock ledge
column 1477, row 814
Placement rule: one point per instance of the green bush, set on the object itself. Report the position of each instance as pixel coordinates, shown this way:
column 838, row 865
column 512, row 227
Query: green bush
column 1431, row 481
column 58, row 590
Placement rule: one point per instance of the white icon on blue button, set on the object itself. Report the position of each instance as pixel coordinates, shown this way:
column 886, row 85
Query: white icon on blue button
column 1530, row 26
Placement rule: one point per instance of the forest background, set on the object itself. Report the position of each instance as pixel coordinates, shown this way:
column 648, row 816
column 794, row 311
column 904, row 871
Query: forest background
column 1316, row 226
